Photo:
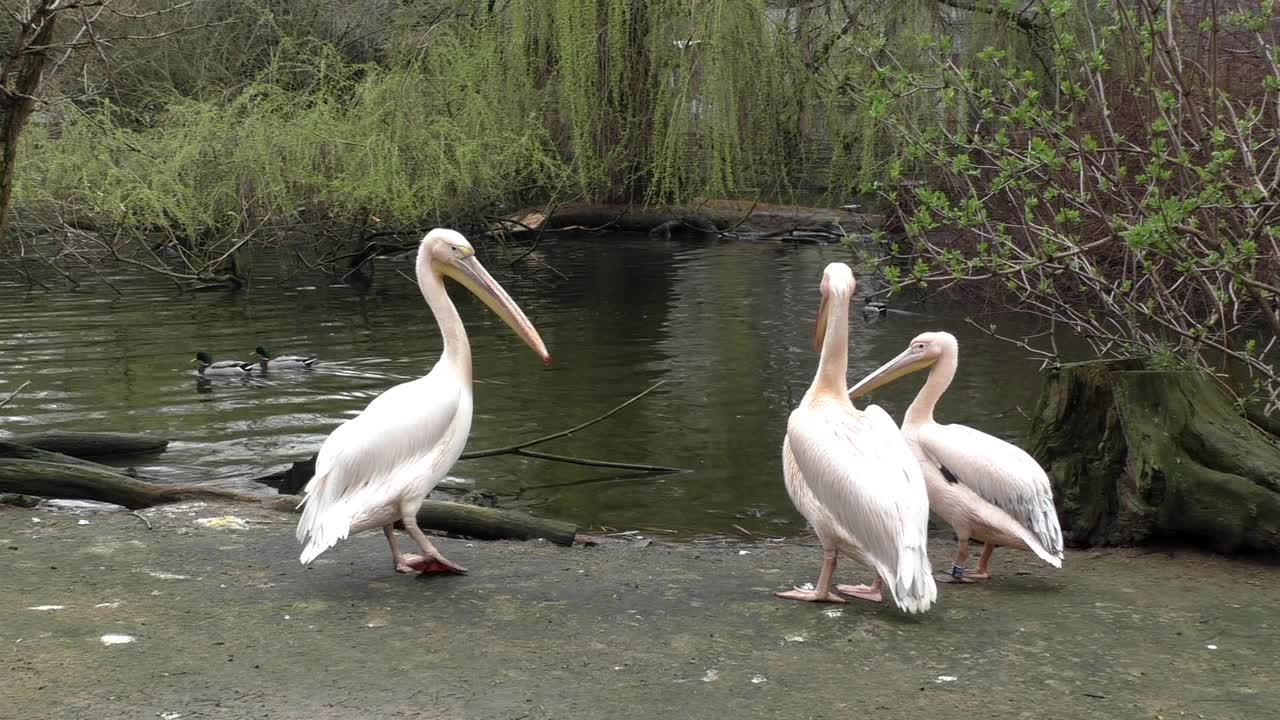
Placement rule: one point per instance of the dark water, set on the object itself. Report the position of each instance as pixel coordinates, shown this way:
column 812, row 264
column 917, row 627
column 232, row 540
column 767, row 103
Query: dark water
column 727, row 326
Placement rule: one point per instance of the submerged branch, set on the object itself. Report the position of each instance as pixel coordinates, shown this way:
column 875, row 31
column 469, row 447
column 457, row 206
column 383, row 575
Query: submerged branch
column 14, row 394
column 517, row 447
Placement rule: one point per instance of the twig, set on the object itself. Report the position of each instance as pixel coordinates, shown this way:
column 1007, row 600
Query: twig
column 14, row 394
column 142, row 517
column 596, row 463
column 510, row 449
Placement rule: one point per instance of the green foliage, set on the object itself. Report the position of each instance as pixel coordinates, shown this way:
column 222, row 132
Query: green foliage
column 1126, row 195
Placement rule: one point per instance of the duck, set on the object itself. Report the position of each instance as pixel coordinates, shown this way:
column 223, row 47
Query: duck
column 205, row 365
column 266, row 361
column 874, row 308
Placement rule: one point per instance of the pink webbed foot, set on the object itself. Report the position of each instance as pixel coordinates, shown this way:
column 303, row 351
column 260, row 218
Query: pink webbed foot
column 862, row 592
column 811, row 596
column 428, row 565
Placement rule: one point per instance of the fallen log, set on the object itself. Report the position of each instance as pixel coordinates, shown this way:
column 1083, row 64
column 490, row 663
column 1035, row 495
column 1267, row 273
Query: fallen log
column 90, row 444
column 1138, row 455
column 86, row 482
column 25, row 501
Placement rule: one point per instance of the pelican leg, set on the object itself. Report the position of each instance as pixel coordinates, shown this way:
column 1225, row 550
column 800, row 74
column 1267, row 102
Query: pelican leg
column 983, row 561
column 864, row 592
column 431, row 561
column 398, row 560
column 958, row 574
column 822, row 591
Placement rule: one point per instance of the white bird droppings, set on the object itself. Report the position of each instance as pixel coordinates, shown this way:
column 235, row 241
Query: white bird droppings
column 225, row 522
column 795, row 638
column 83, row 522
column 167, row 575
column 744, row 552
column 806, row 587
column 757, row 679
column 115, row 604
column 47, row 607
column 1212, row 647
column 711, row 676
column 117, row 639
column 833, row 612
column 170, row 716
column 945, row 678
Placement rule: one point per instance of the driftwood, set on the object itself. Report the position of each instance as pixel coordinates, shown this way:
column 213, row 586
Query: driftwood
column 1139, row 455
column 90, row 444
column 90, row 482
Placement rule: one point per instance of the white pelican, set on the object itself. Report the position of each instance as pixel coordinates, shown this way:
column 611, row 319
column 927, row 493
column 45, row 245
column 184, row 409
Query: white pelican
column 377, row 467
column 984, row 487
column 851, row 474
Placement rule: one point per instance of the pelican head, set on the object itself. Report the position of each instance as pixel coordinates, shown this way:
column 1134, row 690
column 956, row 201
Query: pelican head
column 447, row 253
column 923, row 351
column 837, row 287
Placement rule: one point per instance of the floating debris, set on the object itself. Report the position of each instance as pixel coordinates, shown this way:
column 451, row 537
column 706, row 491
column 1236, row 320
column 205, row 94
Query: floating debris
column 945, row 678
column 744, row 552
column 757, row 679
column 796, row 638
column 711, row 676
column 83, row 522
column 1212, row 647
column 117, row 639
column 115, row 604
column 224, row 522
column 833, row 612
column 167, row 575
column 170, row 716
column 61, row 607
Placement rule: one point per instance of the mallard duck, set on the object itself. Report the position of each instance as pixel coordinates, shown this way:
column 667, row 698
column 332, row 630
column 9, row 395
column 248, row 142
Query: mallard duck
column 267, row 361
column 205, row 365
column 874, row 308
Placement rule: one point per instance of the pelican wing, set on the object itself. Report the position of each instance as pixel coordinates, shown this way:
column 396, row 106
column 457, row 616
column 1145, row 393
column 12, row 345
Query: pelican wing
column 374, row 458
column 1001, row 473
column 861, row 471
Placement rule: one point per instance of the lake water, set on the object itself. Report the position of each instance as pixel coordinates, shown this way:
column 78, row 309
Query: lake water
column 725, row 325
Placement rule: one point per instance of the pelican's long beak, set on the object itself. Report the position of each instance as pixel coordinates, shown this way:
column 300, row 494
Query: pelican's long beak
column 471, row 274
column 908, row 362
column 820, row 330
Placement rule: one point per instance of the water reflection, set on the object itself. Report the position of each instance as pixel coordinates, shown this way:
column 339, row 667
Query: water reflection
column 727, row 326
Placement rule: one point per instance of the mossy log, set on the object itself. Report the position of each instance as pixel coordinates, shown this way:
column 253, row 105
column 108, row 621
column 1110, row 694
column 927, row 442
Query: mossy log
column 1138, row 455
column 90, row 444
column 89, row 482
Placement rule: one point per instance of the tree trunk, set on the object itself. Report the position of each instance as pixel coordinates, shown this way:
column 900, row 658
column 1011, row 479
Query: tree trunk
column 16, row 103
column 1137, row 455
column 89, row 482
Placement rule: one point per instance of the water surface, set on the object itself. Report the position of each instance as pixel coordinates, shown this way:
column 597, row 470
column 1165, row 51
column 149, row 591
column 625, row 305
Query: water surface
column 726, row 326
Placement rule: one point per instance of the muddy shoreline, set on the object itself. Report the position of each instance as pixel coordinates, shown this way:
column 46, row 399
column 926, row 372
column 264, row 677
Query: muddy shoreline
column 224, row 623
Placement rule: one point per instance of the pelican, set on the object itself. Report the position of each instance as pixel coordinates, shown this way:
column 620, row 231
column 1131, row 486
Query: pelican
column 377, row 467
column 984, row 487
column 852, row 476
